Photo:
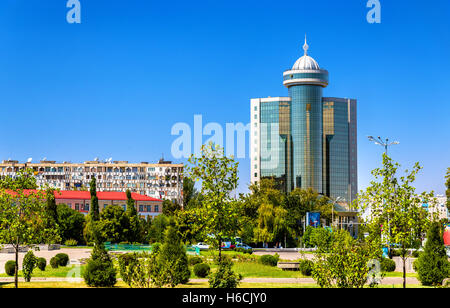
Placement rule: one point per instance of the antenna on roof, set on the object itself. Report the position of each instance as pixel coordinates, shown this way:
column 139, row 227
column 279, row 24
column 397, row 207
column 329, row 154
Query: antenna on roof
column 44, row 159
column 109, row 160
column 96, row 159
column 29, row 160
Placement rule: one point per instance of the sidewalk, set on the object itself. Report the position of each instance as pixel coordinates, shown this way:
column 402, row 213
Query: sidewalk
column 386, row 280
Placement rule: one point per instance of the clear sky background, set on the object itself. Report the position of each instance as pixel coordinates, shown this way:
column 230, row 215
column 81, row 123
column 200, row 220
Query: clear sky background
column 114, row 85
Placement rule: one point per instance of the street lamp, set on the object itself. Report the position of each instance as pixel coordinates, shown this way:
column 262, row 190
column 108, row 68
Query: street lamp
column 384, row 144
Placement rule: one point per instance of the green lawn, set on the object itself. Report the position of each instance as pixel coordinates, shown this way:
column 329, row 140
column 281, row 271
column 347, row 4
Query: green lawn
column 121, row 284
column 61, row 271
column 400, row 274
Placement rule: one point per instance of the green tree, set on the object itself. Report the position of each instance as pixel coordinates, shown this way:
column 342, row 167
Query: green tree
column 23, row 219
column 396, row 211
column 51, row 208
column 157, row 228
column 170, row 207
column 263, row 210
column 94, row 210
column 218, row 175
column 347, row 263
column 172, row 257
column 300, row 201
column 114, row 225
column 433, row 265
column 100, row 271
column 135, row 224
column 189, row 191
column 91, row 229
column 71, row 223
column 29, row 264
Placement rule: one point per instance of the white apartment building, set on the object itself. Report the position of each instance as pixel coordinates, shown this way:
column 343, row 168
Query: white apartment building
column 163, row 180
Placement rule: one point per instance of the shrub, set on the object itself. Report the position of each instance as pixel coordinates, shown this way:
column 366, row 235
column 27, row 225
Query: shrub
column 71, row 242
column 195, row 260
column 306, row 267
column 125, row 261
column 224, row 277
column 433, row 265
column 201, row 270
column 173, row 258
column 54, row 262
column 63, row 259
column 28, row 265
column 416, row 254
column 268, row 260
column 156, row 247
column 41, row 263
column 100, row 271
column 395, row 253
column 387, row 265
column 99, row 274
column 243, row 250
column 10, row 268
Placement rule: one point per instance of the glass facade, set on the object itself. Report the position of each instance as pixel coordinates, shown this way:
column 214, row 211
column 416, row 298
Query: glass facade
column 275, row 144
column 306, row 130
column 339, row 145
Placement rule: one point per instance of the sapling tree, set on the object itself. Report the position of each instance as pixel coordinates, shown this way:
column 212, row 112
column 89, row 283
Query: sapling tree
column 396, row 212
column 23, row 218
column 218, row 213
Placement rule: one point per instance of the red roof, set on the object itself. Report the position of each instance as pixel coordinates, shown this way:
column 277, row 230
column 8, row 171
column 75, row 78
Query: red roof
column 101, row 195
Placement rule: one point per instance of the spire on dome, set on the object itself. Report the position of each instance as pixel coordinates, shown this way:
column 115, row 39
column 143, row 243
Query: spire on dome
column 305, row 47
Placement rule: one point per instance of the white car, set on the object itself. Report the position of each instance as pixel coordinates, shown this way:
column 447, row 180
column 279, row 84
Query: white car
column 202, row 246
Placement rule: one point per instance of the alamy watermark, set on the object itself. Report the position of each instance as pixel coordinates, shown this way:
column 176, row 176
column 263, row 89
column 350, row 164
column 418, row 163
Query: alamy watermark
column 74, row 14
column 234, row 138
column 374, row 14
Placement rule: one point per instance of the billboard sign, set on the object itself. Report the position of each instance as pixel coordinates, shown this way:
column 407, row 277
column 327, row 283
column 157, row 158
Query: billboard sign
column 313, row 219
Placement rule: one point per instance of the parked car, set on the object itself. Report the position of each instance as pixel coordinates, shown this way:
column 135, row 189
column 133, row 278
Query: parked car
column 202, row 246
column 243, row 245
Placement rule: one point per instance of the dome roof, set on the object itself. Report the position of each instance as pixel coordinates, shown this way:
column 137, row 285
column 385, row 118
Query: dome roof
column 306, row 62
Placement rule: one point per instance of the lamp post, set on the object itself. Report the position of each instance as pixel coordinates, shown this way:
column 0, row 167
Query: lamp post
column 384, row 144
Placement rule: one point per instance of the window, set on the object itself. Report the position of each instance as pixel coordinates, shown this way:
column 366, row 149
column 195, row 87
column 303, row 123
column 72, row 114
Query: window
column 156, row 208
column 77, row 206
column 141, row 208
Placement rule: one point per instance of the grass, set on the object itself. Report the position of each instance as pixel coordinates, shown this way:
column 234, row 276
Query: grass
column 400, row 274
column 62, row 271
column 258, row 270
column 121, row 284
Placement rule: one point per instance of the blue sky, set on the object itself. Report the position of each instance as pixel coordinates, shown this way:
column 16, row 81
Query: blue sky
column 114, row 85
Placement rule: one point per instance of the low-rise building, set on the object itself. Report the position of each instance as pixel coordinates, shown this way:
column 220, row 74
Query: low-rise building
column 81, row 201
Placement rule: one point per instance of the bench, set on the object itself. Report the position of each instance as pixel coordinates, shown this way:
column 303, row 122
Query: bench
column 293, row 266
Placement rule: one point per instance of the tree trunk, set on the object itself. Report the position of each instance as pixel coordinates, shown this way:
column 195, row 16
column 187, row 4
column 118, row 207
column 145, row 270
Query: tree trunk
column 16, row 274
column 404, row 272
column 220, row 250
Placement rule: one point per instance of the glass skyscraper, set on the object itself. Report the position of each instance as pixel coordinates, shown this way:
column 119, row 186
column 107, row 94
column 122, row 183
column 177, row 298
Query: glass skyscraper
column 305, row 140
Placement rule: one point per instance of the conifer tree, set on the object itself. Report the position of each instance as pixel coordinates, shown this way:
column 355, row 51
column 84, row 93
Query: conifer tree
column 172, row 257
column 134, row 233
column 433, row 265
